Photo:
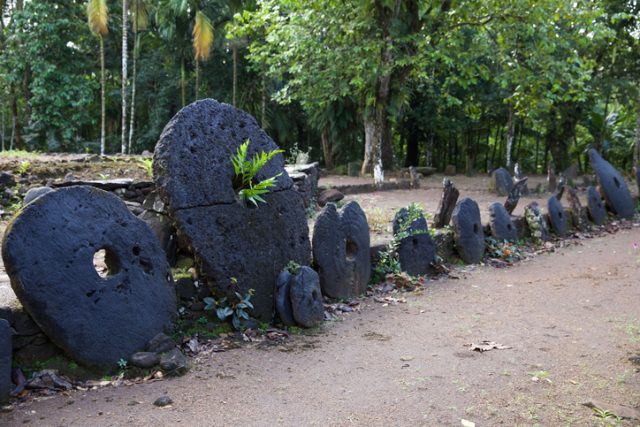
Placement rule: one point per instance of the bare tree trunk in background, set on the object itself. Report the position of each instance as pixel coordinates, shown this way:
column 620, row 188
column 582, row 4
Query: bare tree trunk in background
column 3, row 129
column 136, row 47
column 636, row 151
column 510, row 135
column 183, row 83
column 327, row 149
column 263, row 118
column 103, row 112
column 197, row 79
column 125, row 7
column 235, row 73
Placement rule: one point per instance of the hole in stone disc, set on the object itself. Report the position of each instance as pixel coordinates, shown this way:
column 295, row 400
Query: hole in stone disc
column 616, row 182
column 509, row 227
column 136, row 250
column 350, row 249
column 314, row 295
column 415, row 241
column 560, row 215
column 475, row 228
column 106, row 262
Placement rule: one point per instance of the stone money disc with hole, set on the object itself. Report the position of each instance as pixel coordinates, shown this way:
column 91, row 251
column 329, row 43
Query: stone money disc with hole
column 614, row 187
column 237, row 246
column 557, row 216
column 467, row 231
column 500, row 223
column 48, row 252
column 595, row 206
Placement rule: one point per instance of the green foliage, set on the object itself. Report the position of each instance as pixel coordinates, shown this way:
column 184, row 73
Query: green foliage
column 237, row 309
column 122, row 363
column 147, row 164
column 293, row 267
column 414, row 212
column 24, row 167
column 387, row 264
column 246, row 169
column 505, row 250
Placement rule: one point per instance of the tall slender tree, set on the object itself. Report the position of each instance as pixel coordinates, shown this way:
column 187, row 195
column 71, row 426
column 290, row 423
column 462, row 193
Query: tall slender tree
column 125, row 57
column 139, row 22
column 98, row 19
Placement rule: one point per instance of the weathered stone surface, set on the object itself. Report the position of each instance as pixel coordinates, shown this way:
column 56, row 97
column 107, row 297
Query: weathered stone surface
column 637, row 173
column 502, row 181
column 236, row 247
column 557, row 216
column 329, row 196
column 283, row 298
column 164, row 231
column 613, row 185
column 34, row 193
column 595, row 206
column 306, row 297
column 341, row 250
column 144, row 359
column 174, row 362
column 48, row 252
column 5, row 360
column 538, row 228
column 467, row 229
column 160, row 343
column 416, row 249
column 500, row 223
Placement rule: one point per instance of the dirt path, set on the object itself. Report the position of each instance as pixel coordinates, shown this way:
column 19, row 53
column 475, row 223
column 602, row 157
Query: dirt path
column 572, row 320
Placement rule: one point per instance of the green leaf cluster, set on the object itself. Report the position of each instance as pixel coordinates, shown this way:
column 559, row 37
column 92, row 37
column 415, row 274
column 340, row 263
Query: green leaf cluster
column 247, row 168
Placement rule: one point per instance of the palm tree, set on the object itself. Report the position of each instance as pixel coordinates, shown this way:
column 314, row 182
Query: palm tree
column 202, row 42
column 140, row 22
column 125, row 12
column 98, row 19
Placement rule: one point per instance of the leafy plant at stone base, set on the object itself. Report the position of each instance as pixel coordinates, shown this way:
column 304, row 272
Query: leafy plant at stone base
column 247, row 169
column 236, row 310
column 414, row 212
column 122, row 364
column 24, row 167
column 147, row 164
column 387, row 264
column 608, row 417
column 504, row 250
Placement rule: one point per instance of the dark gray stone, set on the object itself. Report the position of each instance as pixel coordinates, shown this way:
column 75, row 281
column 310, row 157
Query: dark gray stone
column 638, row 179
column 174, row 362
column 144, row 359
column 306, row 297
column 595, row 206
column 5, row 360
column 614, row 188
column 502, row 181
column 34, row 193
column 6, row 180
column 283, row 298
column 161, row 343
column 416, row 249
column 341, row 250
column 467, row 230
column 500, row 223
column 185, row 289
column 48, row 252
column 164, row 231
column 329, row 196
column 163, row 401
column 536, row 223
column 557, row 216
column 236, row 247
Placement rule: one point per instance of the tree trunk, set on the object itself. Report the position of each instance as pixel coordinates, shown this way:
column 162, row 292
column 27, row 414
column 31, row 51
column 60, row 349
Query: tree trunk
column 235, row 73
column 510, row 134
column 413, row 151
column 102, row 99
column 183, row 82
column 125, row 39
column 636, row 151
column 16, row 138
column 3, row 127
column 136, row 47
column 197, row 79
column 446, row 205
column 263, row 112
column 327, row 149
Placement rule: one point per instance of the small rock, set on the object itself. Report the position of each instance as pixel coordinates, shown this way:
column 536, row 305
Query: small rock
column 161, row 343
column 174, row 362
column 7, row 180
column 185, row 290
column 163, row 401
column 502, row 181
column 330, row 195
column 34, row 193
column 144, row 359
column 283, row 299
column 306, row 298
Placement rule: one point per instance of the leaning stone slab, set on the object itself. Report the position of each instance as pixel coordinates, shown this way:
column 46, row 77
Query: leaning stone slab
column 415, row 248
column 283, row 298
column 500, row 223
column 595, row 206
column 5, row 360
column 613, row 185
column 236, row 247
column 557, row 216
column 467, row 229
column 341, row 250
column 535, row 221
column 502, row 181
column 48, row 251
column 306, row 297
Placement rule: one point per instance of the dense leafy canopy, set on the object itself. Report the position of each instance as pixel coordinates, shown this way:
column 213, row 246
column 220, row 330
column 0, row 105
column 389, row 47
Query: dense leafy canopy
column 473, row 83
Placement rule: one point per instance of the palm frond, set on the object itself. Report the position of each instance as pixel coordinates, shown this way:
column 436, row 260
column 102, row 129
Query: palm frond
column 202, row 36
column 140, row 12
column 98, row 16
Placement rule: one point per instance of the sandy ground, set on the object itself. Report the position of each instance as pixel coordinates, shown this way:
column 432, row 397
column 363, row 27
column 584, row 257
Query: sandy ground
column 571, row 320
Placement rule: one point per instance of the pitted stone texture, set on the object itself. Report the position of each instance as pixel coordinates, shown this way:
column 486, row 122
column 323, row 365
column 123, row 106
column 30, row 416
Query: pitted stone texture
column 595, row 206
column 283, row 298
column 236, row 247
column 535, row 221
column 467, row 229
column 502, row 181
column 250, row 245
column 306, row 297
column 48, row 253
column 500, row 223
column 341, row 250
column 5, row 360
column 613, row 185
column 557, row 216
column 191, row 163
column 417, row 250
